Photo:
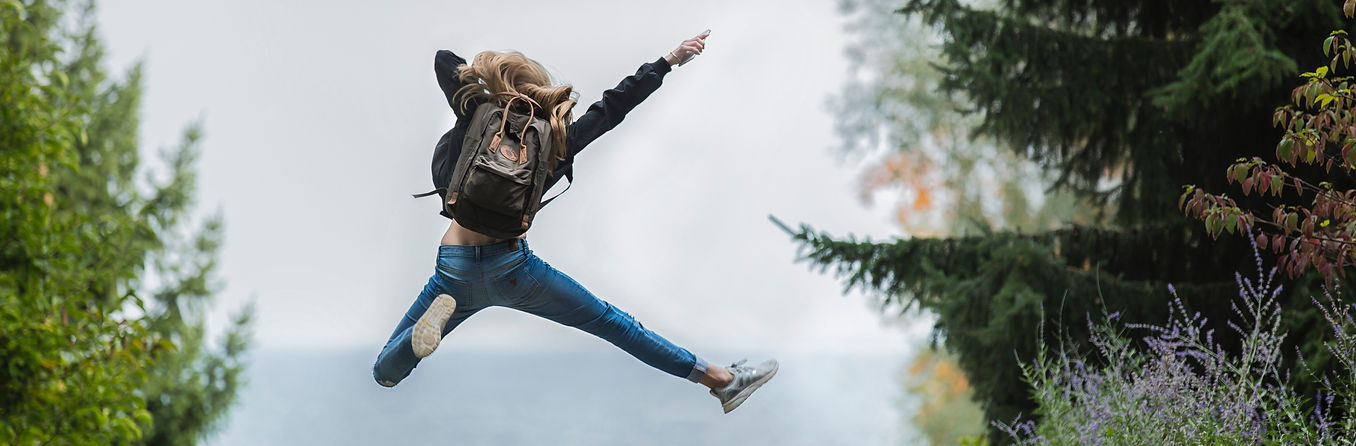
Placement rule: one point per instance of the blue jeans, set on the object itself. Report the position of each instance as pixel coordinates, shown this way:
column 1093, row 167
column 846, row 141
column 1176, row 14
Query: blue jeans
column 508, row 274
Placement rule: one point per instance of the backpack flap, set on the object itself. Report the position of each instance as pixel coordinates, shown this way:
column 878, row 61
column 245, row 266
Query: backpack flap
column 497, row 184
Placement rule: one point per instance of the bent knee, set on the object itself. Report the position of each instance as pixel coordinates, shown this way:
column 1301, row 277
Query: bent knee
column 385, row 379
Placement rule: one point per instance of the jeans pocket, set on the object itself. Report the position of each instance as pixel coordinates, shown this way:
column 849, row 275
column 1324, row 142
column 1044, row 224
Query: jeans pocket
column 516, row 285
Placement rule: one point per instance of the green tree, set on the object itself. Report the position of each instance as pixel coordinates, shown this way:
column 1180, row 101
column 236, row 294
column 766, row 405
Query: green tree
column 1120, row 103
column 102, row 277
column 947, row 183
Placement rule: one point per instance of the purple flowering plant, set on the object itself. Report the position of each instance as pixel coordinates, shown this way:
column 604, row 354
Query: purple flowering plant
column 1178, row 385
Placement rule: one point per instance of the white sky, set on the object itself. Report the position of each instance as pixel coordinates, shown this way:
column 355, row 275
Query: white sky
column 320, row 119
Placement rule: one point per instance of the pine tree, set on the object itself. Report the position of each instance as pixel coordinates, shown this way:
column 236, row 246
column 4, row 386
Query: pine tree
column 102, row 278
column 1122, row 103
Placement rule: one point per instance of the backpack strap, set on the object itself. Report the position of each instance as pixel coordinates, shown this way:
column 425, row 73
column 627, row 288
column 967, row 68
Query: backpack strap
column 522, row 136
column 425, row 194
column 531, row 115
column 569, row 175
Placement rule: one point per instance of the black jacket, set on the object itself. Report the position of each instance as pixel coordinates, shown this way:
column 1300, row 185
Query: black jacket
column 600, row 117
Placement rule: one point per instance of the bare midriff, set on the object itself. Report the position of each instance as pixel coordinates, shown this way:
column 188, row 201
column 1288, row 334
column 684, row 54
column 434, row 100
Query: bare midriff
column 458, row 235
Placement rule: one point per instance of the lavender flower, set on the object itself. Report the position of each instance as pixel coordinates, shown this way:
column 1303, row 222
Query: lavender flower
column 1182, row 387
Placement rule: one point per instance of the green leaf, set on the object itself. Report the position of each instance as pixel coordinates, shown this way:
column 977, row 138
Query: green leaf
column 1321, row 71
column 1324, row 98
column 1327, row 46
column 125, row 428
column 1290, row 222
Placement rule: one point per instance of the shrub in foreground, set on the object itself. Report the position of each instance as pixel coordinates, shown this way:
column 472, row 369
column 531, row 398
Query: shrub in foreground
column 1175, row 384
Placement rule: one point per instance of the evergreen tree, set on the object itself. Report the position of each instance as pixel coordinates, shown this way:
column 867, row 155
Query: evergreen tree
column 1122, row 103
column 102, row 279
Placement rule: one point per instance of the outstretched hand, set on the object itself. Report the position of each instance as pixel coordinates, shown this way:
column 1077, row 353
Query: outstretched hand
column 687, row 49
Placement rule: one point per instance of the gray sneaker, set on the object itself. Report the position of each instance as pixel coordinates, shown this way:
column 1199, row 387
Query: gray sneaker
column 428, row 331
column 746, row 380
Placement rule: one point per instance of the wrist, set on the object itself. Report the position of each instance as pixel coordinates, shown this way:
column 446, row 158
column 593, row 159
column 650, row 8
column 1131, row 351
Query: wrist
column 672, row 59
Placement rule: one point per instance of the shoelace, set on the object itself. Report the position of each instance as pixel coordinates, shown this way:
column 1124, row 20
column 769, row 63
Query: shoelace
column 739, row 369
column 739, row 372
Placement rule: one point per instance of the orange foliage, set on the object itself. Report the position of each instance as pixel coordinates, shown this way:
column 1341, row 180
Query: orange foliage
column 946, row 412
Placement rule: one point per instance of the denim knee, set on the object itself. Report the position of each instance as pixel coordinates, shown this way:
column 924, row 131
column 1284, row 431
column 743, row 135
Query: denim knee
column 383, row 381
column 394, row 363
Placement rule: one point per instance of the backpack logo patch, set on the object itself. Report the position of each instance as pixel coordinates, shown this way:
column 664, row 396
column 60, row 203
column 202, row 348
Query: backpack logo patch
column 507, row 151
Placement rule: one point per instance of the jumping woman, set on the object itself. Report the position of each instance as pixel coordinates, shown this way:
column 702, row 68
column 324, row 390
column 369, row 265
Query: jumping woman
column 475, row 271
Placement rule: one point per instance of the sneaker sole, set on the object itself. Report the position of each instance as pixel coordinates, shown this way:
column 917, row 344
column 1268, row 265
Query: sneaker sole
column 744, row 394
column 428, row 331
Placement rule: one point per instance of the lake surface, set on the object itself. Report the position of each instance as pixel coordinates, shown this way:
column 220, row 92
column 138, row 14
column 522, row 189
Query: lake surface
column 592, row 397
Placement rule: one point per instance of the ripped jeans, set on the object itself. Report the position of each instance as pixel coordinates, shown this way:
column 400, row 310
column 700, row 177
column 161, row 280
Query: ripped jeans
column 508, row 274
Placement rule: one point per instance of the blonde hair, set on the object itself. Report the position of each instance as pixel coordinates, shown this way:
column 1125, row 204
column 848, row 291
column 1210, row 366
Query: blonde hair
column 492, row 72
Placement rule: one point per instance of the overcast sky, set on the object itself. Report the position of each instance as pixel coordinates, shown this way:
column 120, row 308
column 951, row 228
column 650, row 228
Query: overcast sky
column 320, row 119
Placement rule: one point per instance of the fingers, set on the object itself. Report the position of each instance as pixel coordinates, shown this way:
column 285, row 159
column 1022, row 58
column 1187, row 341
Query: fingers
column 693, row 46
column 690, row 47
column 699, row 42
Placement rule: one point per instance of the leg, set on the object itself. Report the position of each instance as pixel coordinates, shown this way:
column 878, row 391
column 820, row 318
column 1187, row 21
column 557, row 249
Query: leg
column 539, row 289
column 398, row 358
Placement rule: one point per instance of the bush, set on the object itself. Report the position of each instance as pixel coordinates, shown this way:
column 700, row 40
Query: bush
column 1177, row 385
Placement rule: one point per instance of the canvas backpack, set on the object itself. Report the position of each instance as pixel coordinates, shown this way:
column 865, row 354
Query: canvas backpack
column 499, row 177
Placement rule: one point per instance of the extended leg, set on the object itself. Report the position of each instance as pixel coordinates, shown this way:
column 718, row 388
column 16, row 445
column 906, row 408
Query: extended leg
column 561, row 299
column 400, row 355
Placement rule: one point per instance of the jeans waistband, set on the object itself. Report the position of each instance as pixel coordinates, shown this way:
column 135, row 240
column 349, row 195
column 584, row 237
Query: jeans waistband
column 480, row 251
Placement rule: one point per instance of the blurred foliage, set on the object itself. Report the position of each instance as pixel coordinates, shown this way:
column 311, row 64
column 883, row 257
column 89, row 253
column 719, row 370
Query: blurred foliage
column 973, row 441
column 945, row 414
column 102, row 278
column 1117, row 103
column 892, row 111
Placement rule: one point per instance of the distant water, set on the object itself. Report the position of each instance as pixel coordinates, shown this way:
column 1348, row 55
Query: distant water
column 596, row 397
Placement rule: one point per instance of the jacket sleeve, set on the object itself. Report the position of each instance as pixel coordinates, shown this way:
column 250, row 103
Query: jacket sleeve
column 445, row 65
column 616, row 102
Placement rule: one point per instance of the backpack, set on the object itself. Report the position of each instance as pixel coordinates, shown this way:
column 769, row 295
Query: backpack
column 499, row 177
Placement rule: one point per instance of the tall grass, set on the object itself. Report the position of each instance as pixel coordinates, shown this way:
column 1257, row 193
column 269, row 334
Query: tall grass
column 1176, row 384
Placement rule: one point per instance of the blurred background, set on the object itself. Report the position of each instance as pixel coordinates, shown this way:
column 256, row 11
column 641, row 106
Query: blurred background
column 318, row 121
column 209, row 230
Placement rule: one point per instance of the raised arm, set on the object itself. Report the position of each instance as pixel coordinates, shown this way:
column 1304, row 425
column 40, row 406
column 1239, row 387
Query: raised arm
column 615, row 104
column 445, row 65
column 620, row 100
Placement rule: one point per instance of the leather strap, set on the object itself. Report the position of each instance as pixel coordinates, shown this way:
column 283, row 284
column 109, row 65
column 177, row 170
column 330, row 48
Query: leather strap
column 522, row 135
